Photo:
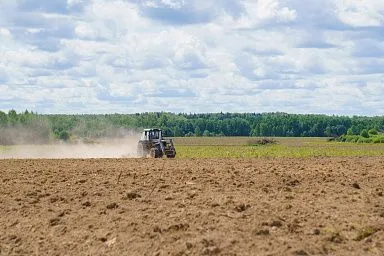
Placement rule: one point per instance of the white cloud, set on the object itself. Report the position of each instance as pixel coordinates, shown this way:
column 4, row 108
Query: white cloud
column 270, row 9
column 5, row 33
column 192, row 56
column 75, row 2
column 360, row 13
column 260, row 12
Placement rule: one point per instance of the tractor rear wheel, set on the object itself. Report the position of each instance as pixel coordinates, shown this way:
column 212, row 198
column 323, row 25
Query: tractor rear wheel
column 155, row 153
column 140, row 150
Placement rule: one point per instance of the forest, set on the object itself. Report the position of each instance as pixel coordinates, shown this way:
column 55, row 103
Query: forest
column 30, row 127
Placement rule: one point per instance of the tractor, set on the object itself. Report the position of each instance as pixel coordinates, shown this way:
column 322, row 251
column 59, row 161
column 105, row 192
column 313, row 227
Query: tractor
column 154, row 145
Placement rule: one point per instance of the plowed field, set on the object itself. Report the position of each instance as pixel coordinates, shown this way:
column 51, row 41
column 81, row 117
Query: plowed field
column 271, row 206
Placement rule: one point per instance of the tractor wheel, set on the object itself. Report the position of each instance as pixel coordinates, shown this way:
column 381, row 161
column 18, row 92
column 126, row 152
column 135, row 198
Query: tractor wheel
column 140, row 150
column 171, row 156
column 155, row 153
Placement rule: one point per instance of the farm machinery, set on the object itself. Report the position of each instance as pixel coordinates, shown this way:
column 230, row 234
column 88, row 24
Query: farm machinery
column 153, row 144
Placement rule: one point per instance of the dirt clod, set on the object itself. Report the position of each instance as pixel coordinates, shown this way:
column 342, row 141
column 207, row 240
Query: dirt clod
column 301, row 253
column 112, row 206
column 132, row 195
column 242, row 207
column 54, row 222
column 212, row 250
column 276, row 223
column 177, row 227
column 157, row 229
column 356, row 185
column 86, row 204
column 261, row 232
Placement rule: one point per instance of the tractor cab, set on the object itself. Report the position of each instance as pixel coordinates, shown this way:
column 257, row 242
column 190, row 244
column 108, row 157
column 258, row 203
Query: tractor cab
column 151, row 134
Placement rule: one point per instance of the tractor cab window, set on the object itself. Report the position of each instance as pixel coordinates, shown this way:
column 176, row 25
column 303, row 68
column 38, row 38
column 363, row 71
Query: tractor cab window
column 151, row 135
column 154, row 135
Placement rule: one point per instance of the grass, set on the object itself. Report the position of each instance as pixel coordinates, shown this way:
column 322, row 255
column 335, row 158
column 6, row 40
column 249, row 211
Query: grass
column 237, row 147
column 364, row 233
column 377, row 138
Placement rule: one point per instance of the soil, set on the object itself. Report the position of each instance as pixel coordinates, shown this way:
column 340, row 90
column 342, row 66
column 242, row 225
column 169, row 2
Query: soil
column 316, row 206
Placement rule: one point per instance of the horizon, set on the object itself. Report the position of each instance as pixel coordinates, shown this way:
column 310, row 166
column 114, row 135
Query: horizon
column 190, row 113
column 184, row 56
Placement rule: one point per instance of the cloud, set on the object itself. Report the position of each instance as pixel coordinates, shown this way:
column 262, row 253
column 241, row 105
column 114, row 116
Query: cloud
column 106, row 56
column 262, row 52
column 180, row 12
column 51, row 6
column 360, row 13
column 5, row 33
column 368, row 49
column 3, row 76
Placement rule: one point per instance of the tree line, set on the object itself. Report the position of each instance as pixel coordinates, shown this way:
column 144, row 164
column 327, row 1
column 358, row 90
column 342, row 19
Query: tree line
column 42, row 128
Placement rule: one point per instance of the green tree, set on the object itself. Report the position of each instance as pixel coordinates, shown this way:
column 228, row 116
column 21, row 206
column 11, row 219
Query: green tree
column 12, row 117
column 340, row 130
column 364, row 133
column 373, row 132
column 197, row 131
column 3, row 119
column 64, row 135
column 328, row 131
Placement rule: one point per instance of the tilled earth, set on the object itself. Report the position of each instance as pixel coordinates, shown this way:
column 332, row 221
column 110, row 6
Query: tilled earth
column 316, row 206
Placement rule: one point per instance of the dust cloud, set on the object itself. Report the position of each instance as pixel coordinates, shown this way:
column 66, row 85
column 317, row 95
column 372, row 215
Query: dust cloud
column 121, row 147
column 19, row 135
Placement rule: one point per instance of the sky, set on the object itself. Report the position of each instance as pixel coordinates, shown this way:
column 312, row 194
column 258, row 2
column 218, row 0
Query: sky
column 192, row 56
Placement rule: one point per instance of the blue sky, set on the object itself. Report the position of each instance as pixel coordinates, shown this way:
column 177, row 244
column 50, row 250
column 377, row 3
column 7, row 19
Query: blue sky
column 126, row 56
